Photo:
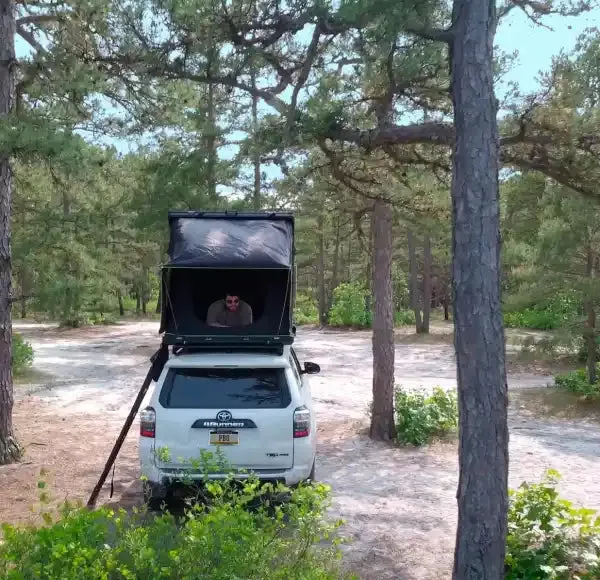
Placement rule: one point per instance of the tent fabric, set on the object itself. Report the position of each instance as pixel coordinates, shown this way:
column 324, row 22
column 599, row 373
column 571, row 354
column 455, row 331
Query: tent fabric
column 189, row 292
column 231, row 241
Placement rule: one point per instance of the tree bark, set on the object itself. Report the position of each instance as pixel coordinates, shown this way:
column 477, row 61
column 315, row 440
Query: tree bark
column 159, row 299
column 479, row 334
column 9, row 448
column 335, row 268
column 121, row 305
column 382, row 416
column 427, row 286
column 414, row 281
column 590, row 329
column 321, row 269
column 256, row 197
column 211, row 131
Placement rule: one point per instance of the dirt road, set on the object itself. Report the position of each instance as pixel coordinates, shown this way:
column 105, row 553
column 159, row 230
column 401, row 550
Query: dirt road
column 398, row 504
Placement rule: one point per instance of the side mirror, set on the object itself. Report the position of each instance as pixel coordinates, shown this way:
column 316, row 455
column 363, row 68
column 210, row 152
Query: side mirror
column 311, row 368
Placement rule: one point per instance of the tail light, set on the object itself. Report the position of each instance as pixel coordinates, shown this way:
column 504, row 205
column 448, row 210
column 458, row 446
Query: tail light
column 301, row 422
column 148, row 422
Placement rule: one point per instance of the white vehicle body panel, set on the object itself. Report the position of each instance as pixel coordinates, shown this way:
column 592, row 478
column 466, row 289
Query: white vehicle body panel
column 266, row 446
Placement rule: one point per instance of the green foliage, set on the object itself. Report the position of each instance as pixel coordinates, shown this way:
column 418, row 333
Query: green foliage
column 349, row 306
column 577, row 382
column 237, row 533
column 532, row 318
column 404, row 318
column 549, row 538
column 306, row 310
column 22, row 354
column 547, row 315
column 421, row 418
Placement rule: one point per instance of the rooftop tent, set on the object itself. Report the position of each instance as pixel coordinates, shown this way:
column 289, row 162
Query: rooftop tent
column 211, row 254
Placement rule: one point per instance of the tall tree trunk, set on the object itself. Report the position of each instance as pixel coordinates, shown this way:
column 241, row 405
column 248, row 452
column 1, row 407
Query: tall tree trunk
column 335, row 269
column 479, row 334
column 369, row 264
column 427, row 287
column 211, row 131
column 446, row 306
column 590, row 330
column 413, row 287
column 321, row 269
column 382, row 416
column 138, row 302
column 121, row 305
column 9, row 448
column 160, row 293
column 256, row 196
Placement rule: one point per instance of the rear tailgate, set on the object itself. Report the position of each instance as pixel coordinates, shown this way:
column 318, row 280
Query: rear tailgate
column 246, row 413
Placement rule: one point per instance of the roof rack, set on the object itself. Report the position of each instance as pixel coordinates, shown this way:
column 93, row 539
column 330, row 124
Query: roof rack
column 276, row 349
column 232, row 214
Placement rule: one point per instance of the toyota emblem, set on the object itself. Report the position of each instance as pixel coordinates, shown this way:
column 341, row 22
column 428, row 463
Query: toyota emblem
column 224, row 416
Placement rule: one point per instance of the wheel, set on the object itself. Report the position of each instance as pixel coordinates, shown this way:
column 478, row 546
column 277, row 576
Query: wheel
column 154, row 495
column 311, row 475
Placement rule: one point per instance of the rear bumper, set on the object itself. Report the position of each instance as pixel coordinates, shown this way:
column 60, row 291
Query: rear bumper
column 162, row 479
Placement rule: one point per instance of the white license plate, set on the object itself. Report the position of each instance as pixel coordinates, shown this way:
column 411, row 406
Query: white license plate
column 224, row 438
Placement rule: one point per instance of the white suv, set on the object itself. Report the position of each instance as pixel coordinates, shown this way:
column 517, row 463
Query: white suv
column 256, row 407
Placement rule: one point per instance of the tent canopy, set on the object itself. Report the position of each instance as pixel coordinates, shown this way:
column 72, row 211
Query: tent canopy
column 212, row 254
column 231, row 240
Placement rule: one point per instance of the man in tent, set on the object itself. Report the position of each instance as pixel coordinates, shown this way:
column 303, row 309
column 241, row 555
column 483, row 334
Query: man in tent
column 230, row 311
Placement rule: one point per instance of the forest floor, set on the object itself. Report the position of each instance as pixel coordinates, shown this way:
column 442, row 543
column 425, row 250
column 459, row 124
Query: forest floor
column 398, row 503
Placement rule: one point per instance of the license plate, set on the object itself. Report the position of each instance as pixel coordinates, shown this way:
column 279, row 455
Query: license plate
column 224, row 438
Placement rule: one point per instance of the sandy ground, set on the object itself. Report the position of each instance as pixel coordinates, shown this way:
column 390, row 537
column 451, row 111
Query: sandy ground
column 398, row 504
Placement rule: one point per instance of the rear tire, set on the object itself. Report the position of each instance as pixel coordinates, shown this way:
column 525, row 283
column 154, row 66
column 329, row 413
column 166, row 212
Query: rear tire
column 154, row 495
column 311, row 475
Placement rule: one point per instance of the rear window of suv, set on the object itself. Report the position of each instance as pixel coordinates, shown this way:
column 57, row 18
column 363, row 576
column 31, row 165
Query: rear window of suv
column 225, row 389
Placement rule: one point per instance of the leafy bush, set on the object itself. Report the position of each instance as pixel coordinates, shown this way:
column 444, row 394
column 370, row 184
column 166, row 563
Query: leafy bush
column 231, row 536
column 22, row 354
column 548, row 315
column 548, row 537
column 577, row 382
column 350, row 306
column 306, row 310
column 532, row 318
column 421, row 418
column 404, row 318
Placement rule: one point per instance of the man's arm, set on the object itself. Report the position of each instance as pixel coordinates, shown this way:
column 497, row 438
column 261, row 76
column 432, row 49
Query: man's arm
column 211, row 315
column 247, row 315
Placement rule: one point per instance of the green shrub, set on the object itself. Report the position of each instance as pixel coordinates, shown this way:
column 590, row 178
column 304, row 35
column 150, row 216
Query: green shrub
column 421, row 418
column 532, row 318
column 349, row 307
column 404, row 318
column 22, row 354
column 577, row 382
column 306, row 310
column 548, row 315
column 230, row 536
column 548, row 537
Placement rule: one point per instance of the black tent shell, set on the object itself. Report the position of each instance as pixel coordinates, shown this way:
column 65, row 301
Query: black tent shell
column 231, row 240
